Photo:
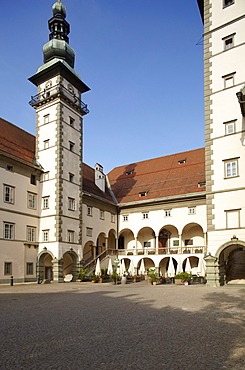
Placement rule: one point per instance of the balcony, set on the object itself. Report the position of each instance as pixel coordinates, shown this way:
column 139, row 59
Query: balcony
column 58, row 91
column 193, row 250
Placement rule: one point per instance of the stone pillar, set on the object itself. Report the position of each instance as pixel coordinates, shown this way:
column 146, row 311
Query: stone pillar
column 136, row 244
column 156, row 244
column 58, row 270
column 106, row 243
column 205, row 242
column 212, row 271
column 222, row 270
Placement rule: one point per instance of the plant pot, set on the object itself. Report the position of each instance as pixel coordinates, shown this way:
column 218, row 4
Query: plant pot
column 178, row 282
column 186, row 283
column 154, row 283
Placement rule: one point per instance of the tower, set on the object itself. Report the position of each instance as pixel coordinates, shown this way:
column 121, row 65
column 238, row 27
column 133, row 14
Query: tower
column 224, row 79
column 59, row 124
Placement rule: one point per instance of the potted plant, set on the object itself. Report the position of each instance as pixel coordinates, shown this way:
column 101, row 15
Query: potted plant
column 153, row 276
column 173, row 251
column 198, row 250
column 182, row 278
column 140, row 252
column 186, row 251
column 130, row 253
column 94, row 278
column 162, row 251
column 151, row 252
column 81, row 274
column 115, row 277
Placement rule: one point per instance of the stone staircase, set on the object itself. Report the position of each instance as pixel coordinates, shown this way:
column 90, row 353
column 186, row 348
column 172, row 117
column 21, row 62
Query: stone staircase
column 236, row 265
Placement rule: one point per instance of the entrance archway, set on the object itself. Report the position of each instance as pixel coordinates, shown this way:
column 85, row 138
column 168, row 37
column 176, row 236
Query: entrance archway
column 45, row 266
column 70, row 264
column 231, row 257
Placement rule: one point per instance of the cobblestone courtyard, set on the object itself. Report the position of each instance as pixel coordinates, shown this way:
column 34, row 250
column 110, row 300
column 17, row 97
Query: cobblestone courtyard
column 134, row 326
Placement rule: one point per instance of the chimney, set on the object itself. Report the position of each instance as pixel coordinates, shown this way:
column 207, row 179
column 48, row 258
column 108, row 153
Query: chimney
column 99, row 177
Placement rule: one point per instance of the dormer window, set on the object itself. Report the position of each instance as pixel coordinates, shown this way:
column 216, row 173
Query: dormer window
column 130, row 172
column 181, row 161
column 202, row 184
column 143, row 193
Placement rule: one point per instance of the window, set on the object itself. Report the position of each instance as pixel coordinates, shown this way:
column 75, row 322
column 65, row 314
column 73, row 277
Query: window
column 228, row 2
column 31, row 234
column 45, row 176
column 192, row 211
column 228, row 42
column 29, row 268
column 71, row 235
column 233, row 218
column 202, row 184
column 31, row 200
column 45, row 202
column 71, row 204
column 9, row 168
column 231, row 168
column 168, row 213
column 125, row 217
column 46, row 118
column 175, row 243
column 188, row 241
column 102, row 215
column 33, row 180
column 229, row 127
column 45, row 235
column 71, row 146
column 7, row 268
column 147, row 244
column 8, row 231
column 46, row 144
column 71, row 177
column 89, row 211
column 181, row 161
column 145, row 216
column 229, row 80
column 89, row 231
column 112, row 217
column 130, row 172
column 71, row 121
column 143, row 193
column 8, row 194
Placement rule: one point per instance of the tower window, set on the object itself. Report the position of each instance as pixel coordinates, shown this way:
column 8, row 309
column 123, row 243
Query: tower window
column 45, row 202
column 45, row 235
column 46, row 118
column 71, row 177
column 71, row 236
column 229, row 80
column 89, row 231
column 33, row 179
column 229, row 127
column 71, row 204
column 231, row 168
column 228, row 43
column 71, row 121
column 228, row 3
column 71, row 146
column 46, row 144
column 102, row 215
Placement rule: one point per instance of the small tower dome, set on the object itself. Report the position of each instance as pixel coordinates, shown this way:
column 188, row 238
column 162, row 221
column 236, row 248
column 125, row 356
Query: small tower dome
column 59, row 8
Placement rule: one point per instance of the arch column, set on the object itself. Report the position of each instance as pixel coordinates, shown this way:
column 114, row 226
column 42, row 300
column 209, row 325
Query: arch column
column 136, row 244
column 212, row 271
column 156, row 243
column 106, row 242
column 180, row 243
column 58, row 270
column 205, row 242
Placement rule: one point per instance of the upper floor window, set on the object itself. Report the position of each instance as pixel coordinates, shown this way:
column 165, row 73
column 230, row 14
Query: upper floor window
column 8, row 196
column 145, row 216
column 71, row 204
column 31, row 200
column 229, row 127
column 71, row 177
column 231, row 168
column 129, row 172
column 112, row 217
column 71, row 236
column 89, row 231
column 228, row 42
column 125, row 217
column 45, row 235
column 168, row 213
column 46, row 144
column 10, row 168
column 229, row 80
column 143, row 193
column 188, row 241
column 31, row 234
column 191, row 210
column 102, row 215
column 89, row 211
column 33, row 180
column 8, row 230
column 46, row 118
column 45, row 202
column 71, row 146
column 71, row 121
column 228, row 2
column 182, row 161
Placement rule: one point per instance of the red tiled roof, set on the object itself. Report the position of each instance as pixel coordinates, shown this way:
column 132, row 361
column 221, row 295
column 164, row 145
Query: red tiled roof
column 17, row 143
column 89, row 184
column 159, row 177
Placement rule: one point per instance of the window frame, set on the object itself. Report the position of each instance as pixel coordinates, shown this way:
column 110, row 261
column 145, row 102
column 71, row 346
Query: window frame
column 226, row 44
column 31, row 234
column 46, row 144
column 8, row 268
column 191, row 210
column 71, row 236
column 31, row 203
column 10, row 232
column 71, row 204
column 145, row 215
column 229, row 3
column 102, row 214
column 125, row 218
column 228, row 77
column 168, row 213
column 89, row 232
column 230, row 170
column 46, row 118
column 44, row 201
column 10, row 195
column 45, row 235
column 29, row 268
column 230, row 123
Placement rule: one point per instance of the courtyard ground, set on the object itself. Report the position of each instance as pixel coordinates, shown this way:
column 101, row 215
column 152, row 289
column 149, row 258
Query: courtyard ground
column 134, row 326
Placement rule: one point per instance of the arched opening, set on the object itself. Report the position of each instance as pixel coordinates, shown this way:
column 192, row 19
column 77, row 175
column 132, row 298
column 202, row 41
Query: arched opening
column 168, row 238
column 148, row 264
column 88, row 252
column 146, row 239
column 70, row 265
column 126, row 240
column 45, row 266
column 231, row 261
column 112, row 240
column 164, row 264
column 100, row 244
column 127, row 263
column 193, row 238
column 193, row 264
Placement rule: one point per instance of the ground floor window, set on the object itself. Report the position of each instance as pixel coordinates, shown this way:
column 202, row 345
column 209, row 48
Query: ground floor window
column 7, row 268
column 29, row 268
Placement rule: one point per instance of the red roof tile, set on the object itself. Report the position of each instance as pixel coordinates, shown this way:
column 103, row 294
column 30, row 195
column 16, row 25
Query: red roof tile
column 159, row 177
column 17, row 143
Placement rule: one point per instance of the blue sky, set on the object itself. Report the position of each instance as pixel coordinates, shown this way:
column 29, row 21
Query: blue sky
column 141, row 61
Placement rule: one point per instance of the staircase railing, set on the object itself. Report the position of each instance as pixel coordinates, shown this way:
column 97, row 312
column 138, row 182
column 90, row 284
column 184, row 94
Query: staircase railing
column 91, row 264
